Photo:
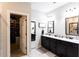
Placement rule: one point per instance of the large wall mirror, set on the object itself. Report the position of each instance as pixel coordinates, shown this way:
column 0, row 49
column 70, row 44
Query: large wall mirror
column 50, row 28
column 72, row 25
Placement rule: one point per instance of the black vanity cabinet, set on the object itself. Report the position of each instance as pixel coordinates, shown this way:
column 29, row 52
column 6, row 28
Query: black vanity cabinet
column 48, row 43
column 45, row 42
column 59, row 47
column 53, row 45
column 68, row 49
column 72, row 50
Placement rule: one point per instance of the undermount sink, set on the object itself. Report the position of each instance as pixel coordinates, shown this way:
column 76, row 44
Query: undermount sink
column 59, row 36
column 70, row 37
column 63, row 37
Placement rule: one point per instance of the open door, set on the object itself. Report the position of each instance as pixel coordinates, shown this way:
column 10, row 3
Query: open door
column 23, row 34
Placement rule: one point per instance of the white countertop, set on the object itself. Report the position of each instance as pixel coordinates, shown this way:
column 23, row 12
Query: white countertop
column 63, row 39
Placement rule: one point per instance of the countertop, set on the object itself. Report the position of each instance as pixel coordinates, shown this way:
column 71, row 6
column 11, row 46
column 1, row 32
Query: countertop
column 63, row 39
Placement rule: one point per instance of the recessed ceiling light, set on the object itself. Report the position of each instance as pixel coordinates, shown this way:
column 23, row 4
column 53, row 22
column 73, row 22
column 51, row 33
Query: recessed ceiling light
column 74, row 8
column 54, row 2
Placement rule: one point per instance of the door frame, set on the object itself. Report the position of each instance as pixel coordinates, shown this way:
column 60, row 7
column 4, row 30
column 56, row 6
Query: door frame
column 8, row 31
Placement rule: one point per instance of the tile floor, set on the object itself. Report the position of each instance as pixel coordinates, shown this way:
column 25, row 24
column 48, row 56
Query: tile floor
column 41, row 52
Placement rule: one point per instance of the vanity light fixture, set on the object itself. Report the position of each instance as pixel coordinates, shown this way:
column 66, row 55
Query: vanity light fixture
column 71, row 9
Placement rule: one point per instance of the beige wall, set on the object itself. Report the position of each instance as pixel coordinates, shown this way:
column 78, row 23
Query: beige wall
column 17, row 7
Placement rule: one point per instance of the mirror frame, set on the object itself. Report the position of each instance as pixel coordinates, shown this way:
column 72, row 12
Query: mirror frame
column 50, row 27
column 69, row 29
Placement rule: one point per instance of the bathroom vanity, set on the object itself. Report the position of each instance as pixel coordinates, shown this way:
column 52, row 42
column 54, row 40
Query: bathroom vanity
column 61, row 46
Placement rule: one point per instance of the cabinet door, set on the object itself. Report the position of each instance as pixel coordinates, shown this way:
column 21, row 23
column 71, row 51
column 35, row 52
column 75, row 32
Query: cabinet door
column 60, row 48
column 42, row 41
column 52, row 45
column 45, row 42
column 72, row 50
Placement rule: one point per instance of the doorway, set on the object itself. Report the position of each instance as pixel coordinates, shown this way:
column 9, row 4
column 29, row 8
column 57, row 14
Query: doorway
column 33, row 34
column 33, row 30
column 18, row 35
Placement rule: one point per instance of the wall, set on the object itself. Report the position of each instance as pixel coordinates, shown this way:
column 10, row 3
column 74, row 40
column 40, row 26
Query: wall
column 38, row 17
column 18, row 7
column 58, row 15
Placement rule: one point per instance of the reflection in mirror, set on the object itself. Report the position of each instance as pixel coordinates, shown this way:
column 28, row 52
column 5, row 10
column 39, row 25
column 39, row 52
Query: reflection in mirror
column 72, row 27
column 33, row 30
column 50, row 28
column 42, row 26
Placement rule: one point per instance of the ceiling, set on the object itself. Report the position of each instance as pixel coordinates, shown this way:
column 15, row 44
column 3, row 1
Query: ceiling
column 46, row 7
